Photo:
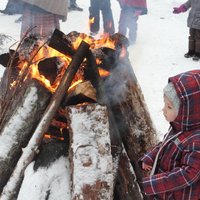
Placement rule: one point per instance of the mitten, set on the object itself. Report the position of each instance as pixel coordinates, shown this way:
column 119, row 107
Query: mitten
column 137, row 13
column 180, row 9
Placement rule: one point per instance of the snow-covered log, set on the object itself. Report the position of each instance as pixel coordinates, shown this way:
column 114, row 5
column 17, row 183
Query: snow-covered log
column 20, row 121
column 48, row 176
column 90, row 152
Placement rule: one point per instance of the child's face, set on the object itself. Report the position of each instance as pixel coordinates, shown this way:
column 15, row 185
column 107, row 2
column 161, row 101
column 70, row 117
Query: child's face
column 169, row 110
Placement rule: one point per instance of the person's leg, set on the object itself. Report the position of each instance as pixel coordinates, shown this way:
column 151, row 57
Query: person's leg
column 108, row 22
column 94, row 16
column 197, row 45
column 72, row 2
column 191, row 44
column 73, row 6
column 13, row 7
column 132, row 25
column 123, row 22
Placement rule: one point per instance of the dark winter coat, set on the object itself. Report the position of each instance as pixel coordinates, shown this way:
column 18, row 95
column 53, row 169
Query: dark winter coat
column 135, row 4
column 193, row 20
column 177, row 174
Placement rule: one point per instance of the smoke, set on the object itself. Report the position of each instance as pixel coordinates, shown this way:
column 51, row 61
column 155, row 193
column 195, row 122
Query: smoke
column 116, row 84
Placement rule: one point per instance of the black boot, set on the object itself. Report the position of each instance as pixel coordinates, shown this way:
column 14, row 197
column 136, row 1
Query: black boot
column 189, row 54
column 196, row 57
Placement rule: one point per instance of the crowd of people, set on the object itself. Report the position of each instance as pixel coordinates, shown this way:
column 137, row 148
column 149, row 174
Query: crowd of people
column 44, row 15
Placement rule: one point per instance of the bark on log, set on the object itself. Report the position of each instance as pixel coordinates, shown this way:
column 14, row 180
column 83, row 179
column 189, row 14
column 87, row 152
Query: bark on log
column 22, row 118
column 9, row 76
column 90, row 153
column 124, row 96
column 125, row 100
column 126, row 186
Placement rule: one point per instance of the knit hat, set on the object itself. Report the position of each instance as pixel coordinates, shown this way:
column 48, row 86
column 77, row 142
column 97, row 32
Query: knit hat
column 170, row 92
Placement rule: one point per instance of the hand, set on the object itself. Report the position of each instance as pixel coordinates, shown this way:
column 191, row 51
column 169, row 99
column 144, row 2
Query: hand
column 137, row 13
column 146, row 167
column 180, row 9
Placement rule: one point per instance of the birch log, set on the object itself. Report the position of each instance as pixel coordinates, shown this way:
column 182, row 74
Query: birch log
column 22, row 117
column 90, row 153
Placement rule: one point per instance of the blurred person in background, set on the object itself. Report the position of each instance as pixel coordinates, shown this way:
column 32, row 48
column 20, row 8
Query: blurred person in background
column 43, row 16
column 74, row 6
column 103, row 6
column 130, row 12
column 193, row 22
column 13, row 7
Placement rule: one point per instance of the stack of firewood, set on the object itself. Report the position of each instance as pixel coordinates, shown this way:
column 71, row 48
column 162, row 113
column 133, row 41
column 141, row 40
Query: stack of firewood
column 96, row 130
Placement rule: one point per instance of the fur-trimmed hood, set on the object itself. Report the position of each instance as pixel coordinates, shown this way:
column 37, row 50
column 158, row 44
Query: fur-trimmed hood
column 187, row 86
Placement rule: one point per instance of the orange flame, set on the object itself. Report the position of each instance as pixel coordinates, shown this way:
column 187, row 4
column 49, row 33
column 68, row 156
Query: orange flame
column 44, row 51
column 103, row 72
column 48, row 136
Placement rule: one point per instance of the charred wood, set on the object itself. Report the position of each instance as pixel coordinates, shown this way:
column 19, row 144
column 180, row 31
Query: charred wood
column 126, row 186
column 124, row 96
column 121, row 41
column 107, row 57
column 93, row 75
column 49, row 68
column 5, row 58
column 61, row 43
column 125, row 100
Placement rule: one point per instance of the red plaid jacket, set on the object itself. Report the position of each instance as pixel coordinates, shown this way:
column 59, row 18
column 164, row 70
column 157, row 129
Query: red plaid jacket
column 177, row 173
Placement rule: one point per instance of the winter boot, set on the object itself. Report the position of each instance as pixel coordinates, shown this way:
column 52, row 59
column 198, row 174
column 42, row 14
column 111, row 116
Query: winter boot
column 189, row 54
column 191, row 47
column 197, row 51
column 196, row 57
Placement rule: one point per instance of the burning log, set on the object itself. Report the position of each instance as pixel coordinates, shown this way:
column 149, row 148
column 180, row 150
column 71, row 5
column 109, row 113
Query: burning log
column 18, row 125
column 82, row 92
column 49, row 68
column 90, row 153
column 34, row 143
column 60, row 41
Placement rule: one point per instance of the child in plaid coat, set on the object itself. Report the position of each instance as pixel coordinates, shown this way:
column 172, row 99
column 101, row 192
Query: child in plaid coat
column 175, row 162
